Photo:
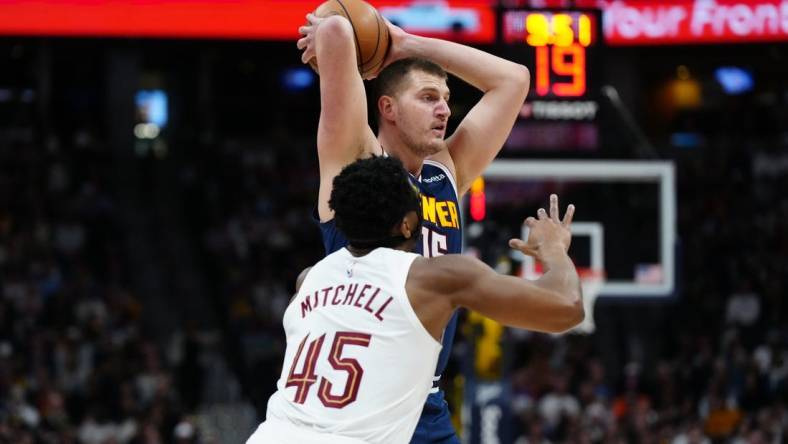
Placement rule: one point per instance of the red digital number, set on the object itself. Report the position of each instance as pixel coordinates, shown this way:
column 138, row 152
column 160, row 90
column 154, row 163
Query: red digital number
column 567, row 61
column 303, row 381
column 543, row 70
column 574, row 67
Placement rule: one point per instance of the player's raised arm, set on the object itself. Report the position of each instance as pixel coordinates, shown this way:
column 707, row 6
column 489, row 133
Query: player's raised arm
column 552, row 303
column 483, row 131
column 343, row 133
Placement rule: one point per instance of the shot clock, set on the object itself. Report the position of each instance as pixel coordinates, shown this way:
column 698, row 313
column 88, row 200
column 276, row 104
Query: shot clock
column 561, row 48
column 561, row 43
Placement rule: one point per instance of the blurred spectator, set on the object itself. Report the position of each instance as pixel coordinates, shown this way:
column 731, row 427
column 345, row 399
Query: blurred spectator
column 559, row 406
column 73, row 366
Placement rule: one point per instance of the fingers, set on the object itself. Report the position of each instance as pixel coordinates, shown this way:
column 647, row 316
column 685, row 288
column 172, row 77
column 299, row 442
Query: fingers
column 541, row 214
column 555, row 212
column 554, row 208
column 307, row 31
column 304, row 42
column 570, row 213
column 519, row 244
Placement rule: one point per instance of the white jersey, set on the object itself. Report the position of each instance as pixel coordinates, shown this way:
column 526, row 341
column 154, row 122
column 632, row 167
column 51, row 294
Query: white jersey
column 359, row 363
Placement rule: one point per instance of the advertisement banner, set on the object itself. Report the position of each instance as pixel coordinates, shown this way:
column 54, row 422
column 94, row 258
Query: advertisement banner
column 649, row 22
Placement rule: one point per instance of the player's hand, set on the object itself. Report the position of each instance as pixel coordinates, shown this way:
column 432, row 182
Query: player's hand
column 548, row 234
column 396, row 51
column 307, row 42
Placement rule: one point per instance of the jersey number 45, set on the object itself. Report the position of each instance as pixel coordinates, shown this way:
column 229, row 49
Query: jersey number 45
column 303, row 380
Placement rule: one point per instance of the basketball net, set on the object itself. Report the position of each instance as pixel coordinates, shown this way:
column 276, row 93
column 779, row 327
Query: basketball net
column 591, row 282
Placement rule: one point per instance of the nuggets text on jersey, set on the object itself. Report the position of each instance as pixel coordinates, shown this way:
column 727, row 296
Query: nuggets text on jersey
column 440, row 212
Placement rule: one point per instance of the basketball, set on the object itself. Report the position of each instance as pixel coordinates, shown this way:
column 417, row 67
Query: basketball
column 369, row 28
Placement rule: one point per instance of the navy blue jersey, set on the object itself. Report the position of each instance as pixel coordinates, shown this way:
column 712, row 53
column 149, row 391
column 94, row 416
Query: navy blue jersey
column 441, row 231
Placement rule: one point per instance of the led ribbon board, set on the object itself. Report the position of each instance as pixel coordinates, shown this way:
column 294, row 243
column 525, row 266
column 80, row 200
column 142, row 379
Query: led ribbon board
column 461, row 20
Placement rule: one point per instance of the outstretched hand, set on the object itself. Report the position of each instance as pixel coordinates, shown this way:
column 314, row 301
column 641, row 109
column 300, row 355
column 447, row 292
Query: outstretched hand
column 547, row 233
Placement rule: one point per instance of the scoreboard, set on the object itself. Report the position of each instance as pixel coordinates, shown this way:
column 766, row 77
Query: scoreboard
column 562, row 50
column 560, row 42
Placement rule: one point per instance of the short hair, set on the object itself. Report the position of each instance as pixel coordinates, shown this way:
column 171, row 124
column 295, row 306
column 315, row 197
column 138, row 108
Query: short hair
column 369, row 197
column 390, row 80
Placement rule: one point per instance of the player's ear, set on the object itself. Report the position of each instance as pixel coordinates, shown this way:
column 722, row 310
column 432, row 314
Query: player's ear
column 403, row 229
column 409, row 225
column 386, row 107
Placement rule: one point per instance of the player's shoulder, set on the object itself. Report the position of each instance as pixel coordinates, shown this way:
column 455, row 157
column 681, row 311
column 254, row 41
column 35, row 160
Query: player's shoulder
column 443, row 273
column 433, row 172
column 437, row 174
column 441, row 161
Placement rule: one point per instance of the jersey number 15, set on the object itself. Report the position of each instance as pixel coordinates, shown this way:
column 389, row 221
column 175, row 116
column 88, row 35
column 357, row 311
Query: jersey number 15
column 433, row 244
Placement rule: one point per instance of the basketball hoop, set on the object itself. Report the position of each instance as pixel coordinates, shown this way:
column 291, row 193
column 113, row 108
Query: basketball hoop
column 591, row 282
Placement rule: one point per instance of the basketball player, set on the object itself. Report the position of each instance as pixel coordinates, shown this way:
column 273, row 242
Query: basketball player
column 363, row 331
column 413, row 110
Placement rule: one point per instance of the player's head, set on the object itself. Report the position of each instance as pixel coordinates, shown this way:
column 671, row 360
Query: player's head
column 375, row 204
column 412, row 99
